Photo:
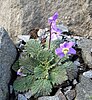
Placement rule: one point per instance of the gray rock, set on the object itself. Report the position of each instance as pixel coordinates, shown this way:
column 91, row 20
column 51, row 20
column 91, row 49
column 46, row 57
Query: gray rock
column 7, row 57
column 67, row 89
column 86, row 45
column 75, row 82
column 23, row 15
column 70, row 95
column 88, row 74
column 58, row 96
column 21, row 97
column 77, row 63
column 24, row 37
column 84, row 89
column 28, row 94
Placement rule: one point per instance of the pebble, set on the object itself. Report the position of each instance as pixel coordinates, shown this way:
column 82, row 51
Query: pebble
column 21, row 97
column 28, row 94
column 75, row 82
column 71, row 95
column 67, row 89
column 77, row 63
column 24, row 37
column 88, row 74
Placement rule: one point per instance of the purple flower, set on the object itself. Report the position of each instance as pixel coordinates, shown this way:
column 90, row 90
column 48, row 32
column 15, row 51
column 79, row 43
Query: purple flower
column 53, row 18
column 65, row 48
column 19, row 72
column 55, row 32
column 54, row 28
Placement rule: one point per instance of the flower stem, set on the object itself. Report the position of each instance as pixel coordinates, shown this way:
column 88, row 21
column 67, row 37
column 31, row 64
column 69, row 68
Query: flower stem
column 55, row 63
column 50, row 37
column 28, row 69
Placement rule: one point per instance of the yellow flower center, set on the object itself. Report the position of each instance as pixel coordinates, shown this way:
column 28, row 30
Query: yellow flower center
column 65, row 50
column 57, row 21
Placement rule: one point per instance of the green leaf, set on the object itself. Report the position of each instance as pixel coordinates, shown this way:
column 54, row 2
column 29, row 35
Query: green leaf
column 29, row 63
column 40, row 72
column 58, row 75
column 15, row 66
column 45, row 56
column 68, row 64
column 22, row 84
column 33, row 47
column 41, row 87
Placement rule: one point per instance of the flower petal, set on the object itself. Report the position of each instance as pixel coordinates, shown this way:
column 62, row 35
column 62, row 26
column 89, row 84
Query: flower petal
column 54, row 28
column 53, row 18
column 54, row 37
column 61, row 55
column 69, row 45
column 63, row 45
column 59, row 52
column 72, row 51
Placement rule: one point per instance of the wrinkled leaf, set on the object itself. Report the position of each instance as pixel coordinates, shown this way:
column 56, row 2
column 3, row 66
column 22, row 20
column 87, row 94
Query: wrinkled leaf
column 22, row 84
column 58, row 75
column 45, row 56
column 41, row 87
column 33, row 47
column 40, row 72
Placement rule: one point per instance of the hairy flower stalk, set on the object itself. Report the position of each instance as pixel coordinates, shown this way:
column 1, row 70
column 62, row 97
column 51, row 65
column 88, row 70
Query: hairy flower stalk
column 54, row 31
column 50, row 36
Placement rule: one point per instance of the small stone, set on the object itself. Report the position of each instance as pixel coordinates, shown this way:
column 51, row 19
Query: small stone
column 41, row 32
column 77, row 63
column 24, row 37
column 67, row 89
column 70, row 95
column 46, row 29
column 75, row 82
column 76, row 37
column 88, row 74
column 91, row 50
column 91, row 37
column 21, row 97
column 60, row 94
column 28, row 94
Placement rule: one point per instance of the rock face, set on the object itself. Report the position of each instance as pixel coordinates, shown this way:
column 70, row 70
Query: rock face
column 58, row 96
column 7, row 57
column 24, row 15
column 84, row 89
column 86, row 46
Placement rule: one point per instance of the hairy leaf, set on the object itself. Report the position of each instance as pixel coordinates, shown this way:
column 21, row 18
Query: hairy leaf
column 58, row 75
column 33, row 47
column 68, row 64
column 15, row 66
column 29, row 63
column 41, row 87
column 40, row 72
column 22, row 84
column 45, row 56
